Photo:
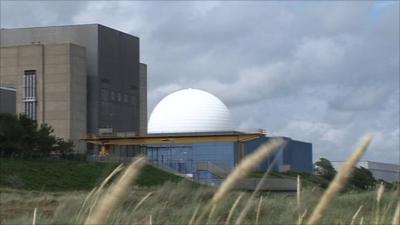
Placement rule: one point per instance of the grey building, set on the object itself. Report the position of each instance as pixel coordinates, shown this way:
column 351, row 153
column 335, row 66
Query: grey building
column 77, row 78
column 381, row 171
column 7, row 100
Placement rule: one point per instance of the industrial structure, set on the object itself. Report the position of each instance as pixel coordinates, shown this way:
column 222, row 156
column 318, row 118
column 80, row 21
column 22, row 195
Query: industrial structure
column 79, row 79
column 191, row 133
column 87, row 80
column 388, row 172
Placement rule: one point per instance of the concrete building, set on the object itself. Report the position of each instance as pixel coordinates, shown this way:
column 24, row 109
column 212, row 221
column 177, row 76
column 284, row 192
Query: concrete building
column 7, row 100
column 77, row 78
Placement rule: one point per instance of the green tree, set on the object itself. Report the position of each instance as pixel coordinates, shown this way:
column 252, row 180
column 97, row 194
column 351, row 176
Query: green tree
column 45, row 140
column 20, row 136
column 10, row 131
column 64, row 148
column 362, row 178
column 325, row 171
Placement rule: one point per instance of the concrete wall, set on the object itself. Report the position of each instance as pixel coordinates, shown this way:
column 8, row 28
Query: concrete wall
column 114, row 90
column 83, row 35
column 119, row 80
column 60, row 84
column 7, row 100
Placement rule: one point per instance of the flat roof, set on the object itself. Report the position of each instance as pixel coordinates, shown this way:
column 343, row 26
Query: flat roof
column 175, row 138
column 8, row 89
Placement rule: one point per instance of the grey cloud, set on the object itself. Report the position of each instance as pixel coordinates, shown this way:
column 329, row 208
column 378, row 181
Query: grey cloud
column 325, row 72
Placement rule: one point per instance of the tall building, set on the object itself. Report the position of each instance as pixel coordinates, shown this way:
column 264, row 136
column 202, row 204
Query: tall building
column 77, row 78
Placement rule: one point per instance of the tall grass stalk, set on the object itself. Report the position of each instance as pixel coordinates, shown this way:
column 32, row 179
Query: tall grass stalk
column 228, row 219
column 396, row 217
column 247, row 165
column 246, row 208
column 95, row 194
column 116, row 194
column 34, row 216
column 301, row 218
column 258, row 209
column 353, row 219
column 194, row 215
column 379, row 194
column 362, row 221
column 142, row 200
column 338, row 182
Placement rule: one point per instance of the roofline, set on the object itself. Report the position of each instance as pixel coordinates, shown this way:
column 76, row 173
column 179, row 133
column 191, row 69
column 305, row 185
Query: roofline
column 8, row 89
column 66, row 25
column 367, row 161
column 171, row 139
column 69, row 25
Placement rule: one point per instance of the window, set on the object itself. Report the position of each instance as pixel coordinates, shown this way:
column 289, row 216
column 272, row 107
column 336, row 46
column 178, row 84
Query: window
column 112, row 96
column 126, row 98
column 29, row 96
column 119, row 97
column 133, row 100
column 104, row 95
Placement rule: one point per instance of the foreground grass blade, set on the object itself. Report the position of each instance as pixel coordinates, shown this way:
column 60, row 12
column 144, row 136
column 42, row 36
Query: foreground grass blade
column 113, row 198
column 245, row 167
column 338, row 182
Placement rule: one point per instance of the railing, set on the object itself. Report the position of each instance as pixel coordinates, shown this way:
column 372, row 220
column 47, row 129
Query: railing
column 218, row 171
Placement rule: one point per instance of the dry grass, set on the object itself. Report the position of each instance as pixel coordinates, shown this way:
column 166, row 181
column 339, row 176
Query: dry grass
column 247, row 165
column 116, row 194
column 338, row 182
column 181, row 203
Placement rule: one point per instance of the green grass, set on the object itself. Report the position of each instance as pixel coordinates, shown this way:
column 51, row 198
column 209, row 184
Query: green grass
column 175, row 203
column 68, row 175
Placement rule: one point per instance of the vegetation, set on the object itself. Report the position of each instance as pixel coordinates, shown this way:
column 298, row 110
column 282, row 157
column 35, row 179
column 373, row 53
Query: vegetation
column 21, row 137
column 68, row 175
column 175, row 203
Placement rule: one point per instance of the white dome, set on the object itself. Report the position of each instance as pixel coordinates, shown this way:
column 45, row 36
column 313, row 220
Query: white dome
column 189, row 110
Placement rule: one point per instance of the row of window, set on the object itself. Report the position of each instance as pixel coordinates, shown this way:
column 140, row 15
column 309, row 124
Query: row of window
column 114, row 96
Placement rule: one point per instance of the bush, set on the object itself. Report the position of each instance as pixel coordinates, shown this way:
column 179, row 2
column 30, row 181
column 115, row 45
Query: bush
column 21, row 137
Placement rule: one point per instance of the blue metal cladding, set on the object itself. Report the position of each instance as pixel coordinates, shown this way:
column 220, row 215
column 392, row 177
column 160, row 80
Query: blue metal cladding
column 221, row 154
column 299, row 156
column 296, row 154
column 184, row 158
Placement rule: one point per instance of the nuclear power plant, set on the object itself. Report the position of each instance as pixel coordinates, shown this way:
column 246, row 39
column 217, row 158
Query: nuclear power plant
column 87, row 82
column 190, row 132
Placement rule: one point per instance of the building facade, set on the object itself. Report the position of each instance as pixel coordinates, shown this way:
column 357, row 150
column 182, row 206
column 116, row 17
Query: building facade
column 77, row 78
column 210, row 162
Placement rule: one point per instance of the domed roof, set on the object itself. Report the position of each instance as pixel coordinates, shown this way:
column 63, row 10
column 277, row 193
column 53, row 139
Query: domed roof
column 190, row 110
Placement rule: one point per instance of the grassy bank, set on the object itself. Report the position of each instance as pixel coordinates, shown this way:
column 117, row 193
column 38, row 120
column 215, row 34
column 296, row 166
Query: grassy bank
column 175, row 203
column 66, row 175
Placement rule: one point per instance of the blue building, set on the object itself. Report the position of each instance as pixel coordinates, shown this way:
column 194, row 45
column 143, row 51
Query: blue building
column 190, row 132
column 212, row 161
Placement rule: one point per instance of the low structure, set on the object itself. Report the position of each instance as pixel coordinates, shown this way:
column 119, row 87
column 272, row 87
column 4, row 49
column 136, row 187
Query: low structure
column 381, row 171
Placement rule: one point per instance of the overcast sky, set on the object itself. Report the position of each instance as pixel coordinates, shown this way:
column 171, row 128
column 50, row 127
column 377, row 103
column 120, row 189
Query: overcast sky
column 322, row 72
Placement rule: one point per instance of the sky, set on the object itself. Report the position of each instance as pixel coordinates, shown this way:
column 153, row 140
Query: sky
column 321, row 72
